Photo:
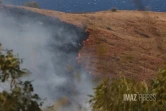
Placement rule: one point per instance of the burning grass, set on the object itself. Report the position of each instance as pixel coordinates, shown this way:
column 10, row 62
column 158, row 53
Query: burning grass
column 118, row 40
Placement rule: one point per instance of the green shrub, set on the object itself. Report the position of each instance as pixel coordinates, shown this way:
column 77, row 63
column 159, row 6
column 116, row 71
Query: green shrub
column 109, row 96
column 113, row 9
column 32, row 4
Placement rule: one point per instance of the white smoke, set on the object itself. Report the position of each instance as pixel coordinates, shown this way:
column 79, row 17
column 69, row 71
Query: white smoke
column 38, row 45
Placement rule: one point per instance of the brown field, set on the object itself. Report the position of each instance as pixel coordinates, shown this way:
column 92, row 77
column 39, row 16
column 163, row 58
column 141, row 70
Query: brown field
column 130, row 43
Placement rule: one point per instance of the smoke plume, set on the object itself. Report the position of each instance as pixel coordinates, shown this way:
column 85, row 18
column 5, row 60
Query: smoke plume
column 49, row 49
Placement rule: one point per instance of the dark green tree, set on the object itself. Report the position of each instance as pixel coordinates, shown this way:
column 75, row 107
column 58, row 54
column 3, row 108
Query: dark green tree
column 20, row 97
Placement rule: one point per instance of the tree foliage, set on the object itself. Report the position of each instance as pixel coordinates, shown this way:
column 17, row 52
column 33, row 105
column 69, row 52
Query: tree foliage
column 20, row 97
column 108, row 96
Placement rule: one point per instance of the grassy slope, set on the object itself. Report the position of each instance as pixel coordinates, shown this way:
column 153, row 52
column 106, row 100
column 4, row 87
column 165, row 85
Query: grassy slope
column 132, row 43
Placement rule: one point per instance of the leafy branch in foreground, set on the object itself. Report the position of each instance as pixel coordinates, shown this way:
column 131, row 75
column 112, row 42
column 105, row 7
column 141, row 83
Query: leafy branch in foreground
column 20, row 97
column 109, row 96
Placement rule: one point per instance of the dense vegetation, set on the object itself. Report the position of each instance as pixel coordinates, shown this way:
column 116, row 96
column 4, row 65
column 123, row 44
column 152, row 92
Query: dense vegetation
column 19, row 96
column 109, row 96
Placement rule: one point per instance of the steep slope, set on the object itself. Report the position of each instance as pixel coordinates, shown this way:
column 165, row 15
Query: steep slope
column 131, row 43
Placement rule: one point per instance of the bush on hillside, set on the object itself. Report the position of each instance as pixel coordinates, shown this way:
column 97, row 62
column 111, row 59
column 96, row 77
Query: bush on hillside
column 114, row 10
column 109, row 96
column 32, row 4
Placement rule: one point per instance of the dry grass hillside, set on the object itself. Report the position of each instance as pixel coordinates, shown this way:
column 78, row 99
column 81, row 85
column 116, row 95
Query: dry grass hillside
column 132, row 43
